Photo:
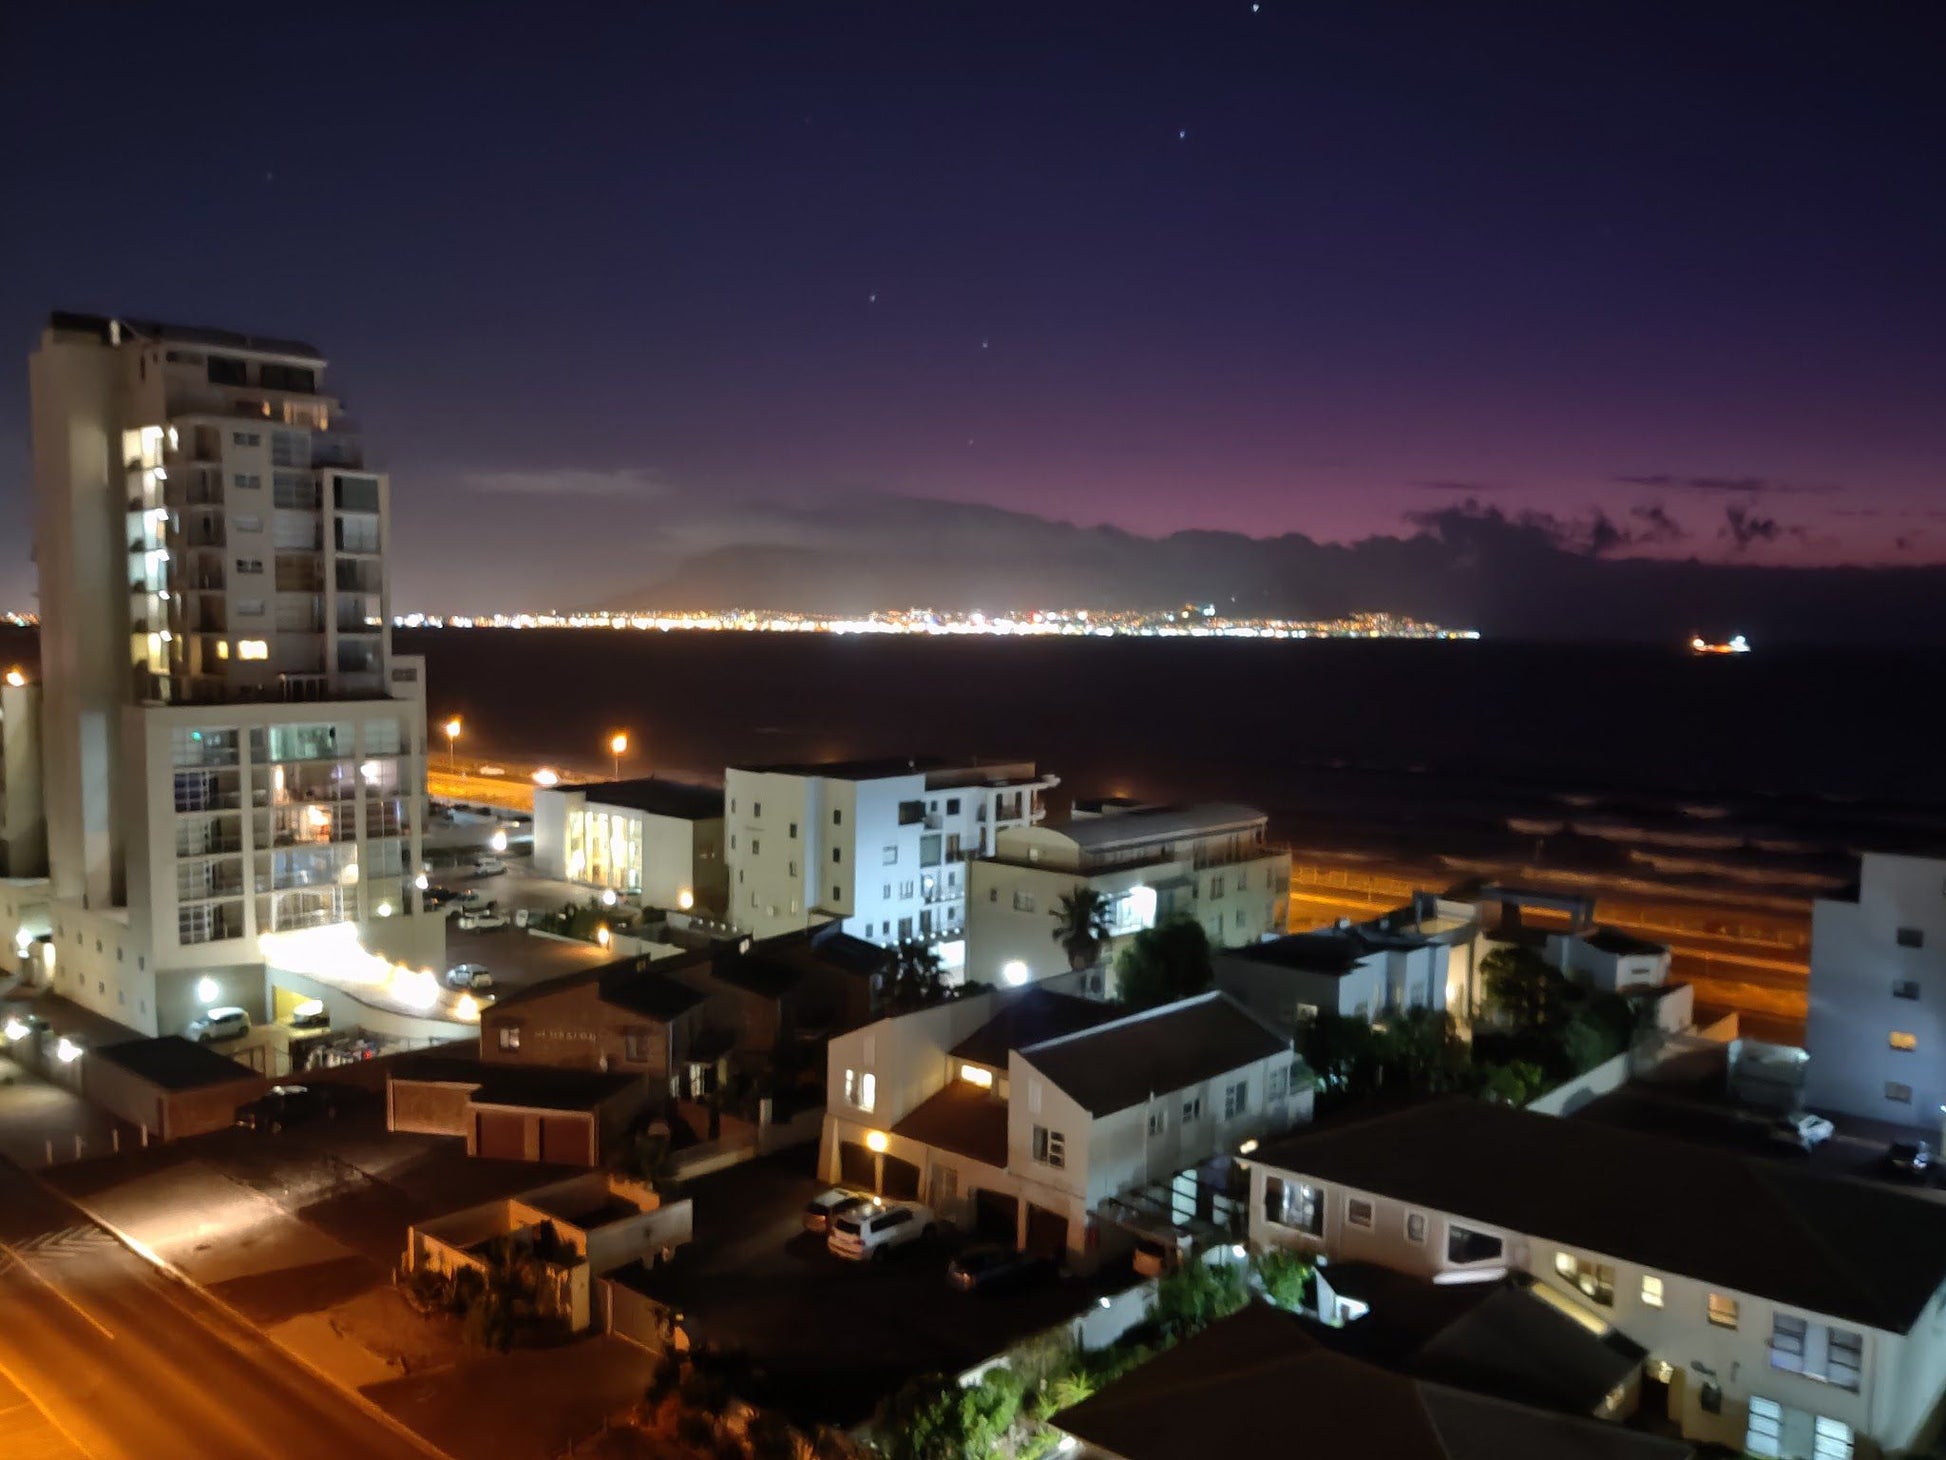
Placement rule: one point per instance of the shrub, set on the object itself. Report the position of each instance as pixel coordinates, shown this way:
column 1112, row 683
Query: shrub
column 1285, row 1276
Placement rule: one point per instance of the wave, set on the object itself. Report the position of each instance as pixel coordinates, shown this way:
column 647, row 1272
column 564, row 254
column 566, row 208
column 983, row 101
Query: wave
column 1783, row 845
column 1705, row 813
column 1737, row 872
column 1633, row 835
column 1529, row 826
column 1620, row 884
column 1580, row 800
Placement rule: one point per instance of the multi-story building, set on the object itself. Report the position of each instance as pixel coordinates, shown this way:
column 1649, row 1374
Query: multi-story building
column 1777, row 1312
column 230, row 747
column 1876, row 1034
column 880, row 845
column 1211, row 863
column 23, row 816
column 659, row 840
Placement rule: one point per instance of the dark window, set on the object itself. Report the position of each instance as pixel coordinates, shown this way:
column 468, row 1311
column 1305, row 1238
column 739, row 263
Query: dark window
column 1463, row 1244
column 793, row 831
column 1710, row 1399
column 837, row 817
column 287, row 377
column 1905, row 988
column 1894, row 1091
column 837, row 893
column 952, row 806
column 225, row 371
column 837, row 855
column 911, row 812
column 1912, row 937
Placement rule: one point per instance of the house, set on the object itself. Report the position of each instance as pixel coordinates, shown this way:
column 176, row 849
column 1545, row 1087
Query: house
column 1876, row 1031
column 1257, row 1383
column 1779, row 1312
column 1563, row 930
column 508, row 1112
column 1210, row 862
column 1058, row 1123
column 575, row 1230
column 1357, row 970
column 793, row 988
column 655, row 839
column 880, row 845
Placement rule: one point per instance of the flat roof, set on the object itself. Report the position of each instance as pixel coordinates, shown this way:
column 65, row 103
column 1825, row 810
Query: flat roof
column 1849, row 1249
column 1157, row 1052
column 1328, row 951
column 174, row 1063
column 188, row 334
column 679, row 800
column 870, row 768
column 1621, row 944
column 1159, row 824
column 1257, row 1383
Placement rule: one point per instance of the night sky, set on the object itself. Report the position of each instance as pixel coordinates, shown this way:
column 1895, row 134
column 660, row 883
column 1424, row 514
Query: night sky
column 612, row 288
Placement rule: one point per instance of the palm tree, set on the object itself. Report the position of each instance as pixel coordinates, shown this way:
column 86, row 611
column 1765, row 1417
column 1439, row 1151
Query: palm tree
column 912, row 974
column 1081, row 926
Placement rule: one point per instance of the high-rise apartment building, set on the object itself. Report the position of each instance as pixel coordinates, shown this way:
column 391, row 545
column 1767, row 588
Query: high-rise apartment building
column 230, row 746
column 879, row 845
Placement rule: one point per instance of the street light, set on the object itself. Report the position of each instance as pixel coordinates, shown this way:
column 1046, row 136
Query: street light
column 618, row 747
column 452, row 728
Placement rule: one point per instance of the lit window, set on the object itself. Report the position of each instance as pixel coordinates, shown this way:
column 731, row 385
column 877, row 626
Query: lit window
column 222, row 648
column 1651, row 1291
column 974, row 1075
column 252, row 649
column 1292, row 1204
column 1900, row 1039
column 867, row 1090
column 1595, row 1280
column 510, row 1036
column 1722, row 1311
column 1358, row 1211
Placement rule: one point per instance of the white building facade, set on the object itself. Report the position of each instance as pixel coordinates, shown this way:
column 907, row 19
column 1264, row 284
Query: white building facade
column 230, row 747
column 880, row 846
column 1211, row 863
column 660, row 841
column 1876, row 1033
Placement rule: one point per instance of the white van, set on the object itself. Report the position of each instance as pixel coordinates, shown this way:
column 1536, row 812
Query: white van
column 869, row 1232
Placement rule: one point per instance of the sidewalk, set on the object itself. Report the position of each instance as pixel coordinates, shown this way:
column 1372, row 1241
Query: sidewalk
column 39, row 1121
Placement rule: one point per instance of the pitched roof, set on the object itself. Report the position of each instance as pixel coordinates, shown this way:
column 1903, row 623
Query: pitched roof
column 175, row 1063
column 1519, row 1347
column 680, row 800
column 544, row 1088
column 1849, row 1249
column 775, row 966
column 1113, row 1066
column 1256, row 1383
column 1031, row 1016
column 962, row 1118
column 650, row 993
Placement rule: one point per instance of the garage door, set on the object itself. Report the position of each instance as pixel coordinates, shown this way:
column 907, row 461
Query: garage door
column 501, row 1133
column 857, row 1167
column 1047, row 1232
column 568, row 1139
column 901, row 1178
column 996, row 1216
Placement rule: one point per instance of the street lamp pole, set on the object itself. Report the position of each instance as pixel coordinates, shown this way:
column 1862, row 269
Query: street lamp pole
column 618, row 747
column 452, row 728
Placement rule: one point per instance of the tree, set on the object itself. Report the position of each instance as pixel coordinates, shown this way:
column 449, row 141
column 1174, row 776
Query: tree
column 1081, row 926
column 1284, row 1275
column 1195, row 1295
column 1419, row 1050
column 1522, row 987
column 912, row 975
column 1342, row 1052
column 1167, row 962
column 1514, row 1083
column 938, row 1418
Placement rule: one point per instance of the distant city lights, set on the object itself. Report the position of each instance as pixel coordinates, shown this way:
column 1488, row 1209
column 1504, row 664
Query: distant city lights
column 1203, row 621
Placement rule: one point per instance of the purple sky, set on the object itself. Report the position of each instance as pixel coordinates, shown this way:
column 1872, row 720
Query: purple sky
column 1303, row 267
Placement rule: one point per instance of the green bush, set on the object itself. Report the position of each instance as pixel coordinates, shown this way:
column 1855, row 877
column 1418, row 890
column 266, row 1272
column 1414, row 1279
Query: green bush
column 1284, row 1275
column 1195, row 1295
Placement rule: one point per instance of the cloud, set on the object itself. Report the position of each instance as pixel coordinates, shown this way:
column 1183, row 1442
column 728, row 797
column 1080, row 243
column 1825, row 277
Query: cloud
column 1471, row 489
column 562, row 482
column 1745, row 526
column 1738, row 486
column 1657, row 525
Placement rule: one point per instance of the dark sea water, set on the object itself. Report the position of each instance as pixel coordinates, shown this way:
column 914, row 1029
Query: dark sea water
column 1763, row 774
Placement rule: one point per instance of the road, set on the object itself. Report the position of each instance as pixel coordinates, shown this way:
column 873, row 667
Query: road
column 117, row 1362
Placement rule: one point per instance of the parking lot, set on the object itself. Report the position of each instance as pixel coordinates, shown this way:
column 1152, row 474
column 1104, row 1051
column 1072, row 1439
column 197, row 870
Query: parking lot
column 828, row 1338
column 516, row 958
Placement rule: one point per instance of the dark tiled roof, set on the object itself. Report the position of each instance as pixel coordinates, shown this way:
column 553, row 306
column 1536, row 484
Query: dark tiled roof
column 541, row 1087
column 775, row 966
column 174, row 1063
column 1517, row 1347
column 679, row 800
column 1849, row 1249
column 650, row 993
column 962, row 1118
column 868, row 769
column 1114, row 1066
column 1328, row 952
column 1256, row 1383
column 1031, row 1016
column 624, row 979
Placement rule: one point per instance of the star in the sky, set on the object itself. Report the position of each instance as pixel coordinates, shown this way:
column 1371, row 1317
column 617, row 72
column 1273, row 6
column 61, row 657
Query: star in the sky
column 872, row 298
column 1182, row 134
column 983, row 344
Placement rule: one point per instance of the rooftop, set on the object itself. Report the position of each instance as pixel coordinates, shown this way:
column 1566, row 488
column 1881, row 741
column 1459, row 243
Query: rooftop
column 962, row 1118
column 1330, row 951
column 188, row 334
column 175, row 1063
column 1031, row 1016
column 875, row 768
column 679, row 800
column 1159, row 823
column 1622, row 945
column 1256, row 1383
column 1123, row 1063
column 641, row 985
column 1848, row 1249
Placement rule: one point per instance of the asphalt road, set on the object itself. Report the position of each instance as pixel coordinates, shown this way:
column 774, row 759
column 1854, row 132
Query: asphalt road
column 124, row 1362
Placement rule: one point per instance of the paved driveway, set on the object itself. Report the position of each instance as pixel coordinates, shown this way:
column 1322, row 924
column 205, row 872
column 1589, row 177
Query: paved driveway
column 829, row 1338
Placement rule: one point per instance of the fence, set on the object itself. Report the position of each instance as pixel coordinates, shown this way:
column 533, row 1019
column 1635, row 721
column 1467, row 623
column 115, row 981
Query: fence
column 640, row 1319
column 1604, row 1079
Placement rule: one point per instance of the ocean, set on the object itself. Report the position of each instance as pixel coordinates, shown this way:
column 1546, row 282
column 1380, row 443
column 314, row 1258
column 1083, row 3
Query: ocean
column 1756, row 778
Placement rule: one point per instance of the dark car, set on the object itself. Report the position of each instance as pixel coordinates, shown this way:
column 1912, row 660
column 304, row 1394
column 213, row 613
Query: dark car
column 990, row 1265
column 1912, row 1159
column 434, row 897
column 281, row 1106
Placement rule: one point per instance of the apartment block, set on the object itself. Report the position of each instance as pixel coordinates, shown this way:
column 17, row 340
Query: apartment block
column 229, row 746
column 881, row 846
column 1212, row 863
column 655, row 839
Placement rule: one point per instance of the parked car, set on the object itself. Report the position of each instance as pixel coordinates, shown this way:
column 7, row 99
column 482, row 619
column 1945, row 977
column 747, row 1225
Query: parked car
column 484, row 920
column 228, row 1022
column 438, row 897
column 490, row 770
column 868, row 1232
column 281, row 1106
column 993, row 1265
column 488, row 866
column 469, row 976
column 310, row 1014
column 1912, row 1159
column 471, row 900
column 1803, row 1130
column 820, row 1209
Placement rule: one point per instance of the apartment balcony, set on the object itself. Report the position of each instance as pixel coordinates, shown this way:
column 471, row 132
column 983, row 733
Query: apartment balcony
column 1233, row 857
column 204, row 535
